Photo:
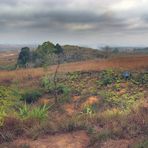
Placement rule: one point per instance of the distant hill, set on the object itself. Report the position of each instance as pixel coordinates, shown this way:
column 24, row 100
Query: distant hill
column 143, row 50
column 9, row 53
column 70, row 54
column 76, row 53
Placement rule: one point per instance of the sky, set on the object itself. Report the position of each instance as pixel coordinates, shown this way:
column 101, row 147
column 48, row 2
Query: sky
column 90, row 23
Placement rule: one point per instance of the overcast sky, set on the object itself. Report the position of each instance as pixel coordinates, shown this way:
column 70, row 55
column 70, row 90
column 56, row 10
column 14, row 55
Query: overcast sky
column 81, row 22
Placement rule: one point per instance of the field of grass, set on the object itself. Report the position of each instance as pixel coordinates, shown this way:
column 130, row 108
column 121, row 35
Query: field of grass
column 7, row 57
column 97, row 106
column 129, row 62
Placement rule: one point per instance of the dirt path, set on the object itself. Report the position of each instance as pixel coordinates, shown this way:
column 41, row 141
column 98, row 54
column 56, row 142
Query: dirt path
column 77, row 139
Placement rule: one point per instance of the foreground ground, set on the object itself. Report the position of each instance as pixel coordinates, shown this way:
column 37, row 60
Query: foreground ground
column 78, row 139
column 97, row 106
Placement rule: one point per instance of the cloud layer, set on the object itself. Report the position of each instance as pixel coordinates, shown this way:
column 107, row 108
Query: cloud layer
column 85, row 22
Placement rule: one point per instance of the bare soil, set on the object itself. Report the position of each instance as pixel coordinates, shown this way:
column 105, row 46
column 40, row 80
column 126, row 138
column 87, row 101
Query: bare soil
column 77, row 139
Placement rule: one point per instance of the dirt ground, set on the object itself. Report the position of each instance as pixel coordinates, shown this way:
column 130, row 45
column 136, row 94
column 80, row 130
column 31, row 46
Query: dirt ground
column 116, row 144
column 77, row 139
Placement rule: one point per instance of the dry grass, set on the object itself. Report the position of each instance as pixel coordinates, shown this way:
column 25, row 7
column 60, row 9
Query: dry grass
column 130, row 62
column 8, row 58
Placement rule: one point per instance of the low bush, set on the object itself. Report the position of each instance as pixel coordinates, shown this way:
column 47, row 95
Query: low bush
column 49, row 86
column 8, row 101
column 141, row 78
column 31, row 96
column 62, row 90
column 89, row 109
column 108, row 76
column 39, row 113
column 124, row 101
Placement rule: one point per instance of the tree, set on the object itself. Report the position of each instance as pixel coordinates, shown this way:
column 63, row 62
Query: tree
column 23, row 57
column 44, row 53
column 58, row 51
column 115, row 51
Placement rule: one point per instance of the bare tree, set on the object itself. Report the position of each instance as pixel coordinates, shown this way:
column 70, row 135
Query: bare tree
column 59, row 53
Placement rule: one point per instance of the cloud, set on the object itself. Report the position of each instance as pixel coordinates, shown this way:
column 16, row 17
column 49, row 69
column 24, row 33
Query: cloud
column 86, row 21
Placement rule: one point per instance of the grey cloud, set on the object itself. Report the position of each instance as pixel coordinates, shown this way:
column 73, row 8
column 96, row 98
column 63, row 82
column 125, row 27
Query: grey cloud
column 42, row 18
column 9, row 2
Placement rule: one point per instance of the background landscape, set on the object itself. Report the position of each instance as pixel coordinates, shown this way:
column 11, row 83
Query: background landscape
column 73, row 74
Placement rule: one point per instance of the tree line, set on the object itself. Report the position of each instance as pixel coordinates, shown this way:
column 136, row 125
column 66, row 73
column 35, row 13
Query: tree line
column 39, row 57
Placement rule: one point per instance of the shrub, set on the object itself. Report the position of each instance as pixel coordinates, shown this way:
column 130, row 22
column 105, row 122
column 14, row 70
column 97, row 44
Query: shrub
column 24, row 111
column 40, row 113
column 2, row 116
column 124, row 101
column 141, row 78
column 31, row 96
column 73, row 76
column 89, row 109
column 48, row 85
column 8, row 100
column 65, row 93
column 108, row 77
column 60, row 89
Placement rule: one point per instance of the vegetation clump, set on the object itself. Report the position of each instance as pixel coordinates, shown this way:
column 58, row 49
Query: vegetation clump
column 39, row 113
column 31, row 96
column 103, row 103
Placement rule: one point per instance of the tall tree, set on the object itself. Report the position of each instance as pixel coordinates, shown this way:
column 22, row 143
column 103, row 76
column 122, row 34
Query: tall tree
column 44, row 53
column 23, row 57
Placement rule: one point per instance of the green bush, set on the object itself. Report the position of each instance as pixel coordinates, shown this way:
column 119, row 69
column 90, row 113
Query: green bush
column 108, row 77
column 40, row 113
column 24, row 111
column 49, row 86
column 31, row 96
column 8, row 100
column 46, row 83
column 124, row 101
column 2, row 116
column 73, row 76
column 89, row 109
column 141, row 78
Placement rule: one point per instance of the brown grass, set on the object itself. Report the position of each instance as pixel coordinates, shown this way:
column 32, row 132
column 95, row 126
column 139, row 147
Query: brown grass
column 130, row 62
column 8, row 58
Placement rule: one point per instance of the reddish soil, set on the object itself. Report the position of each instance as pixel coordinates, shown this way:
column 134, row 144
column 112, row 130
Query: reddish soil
column 116, row 144
column 69, row 140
